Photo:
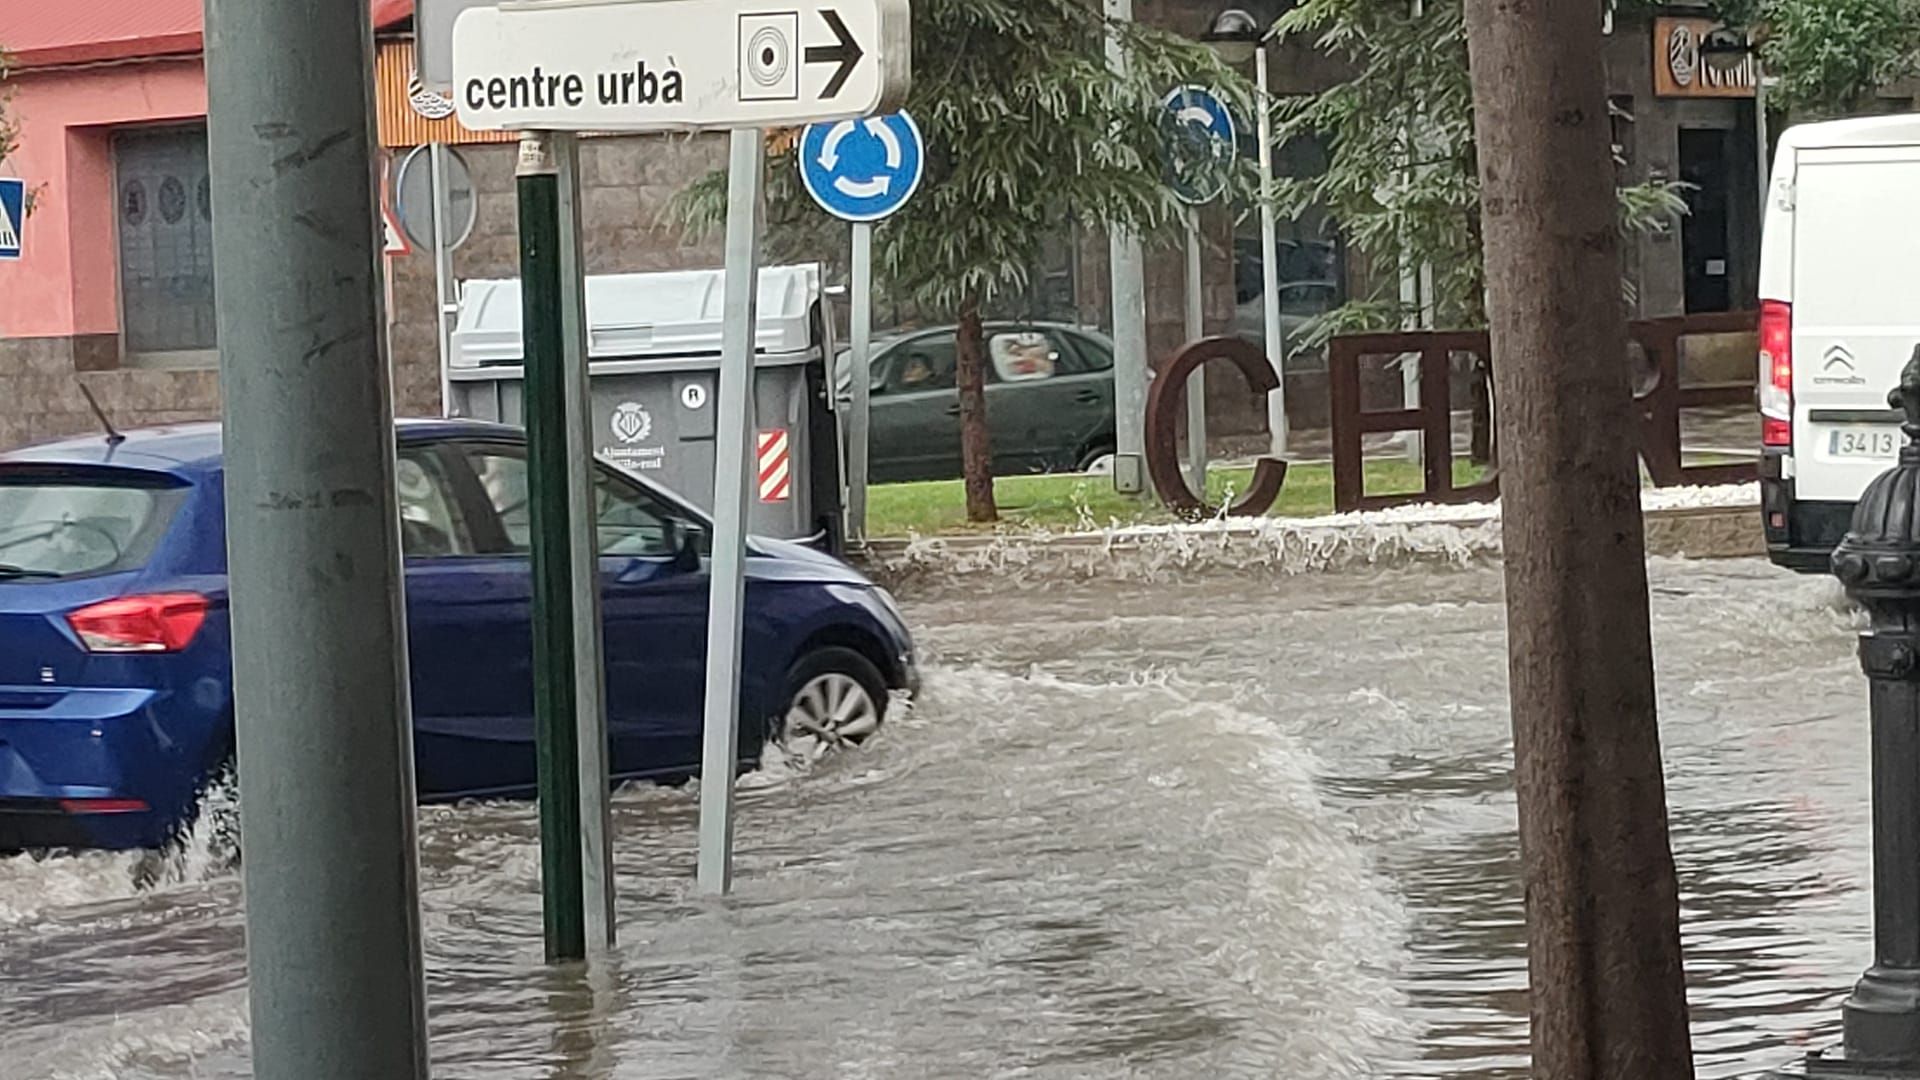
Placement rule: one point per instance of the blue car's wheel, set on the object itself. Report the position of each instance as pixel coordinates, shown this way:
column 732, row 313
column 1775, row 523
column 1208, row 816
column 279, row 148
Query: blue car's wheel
column 835, row 698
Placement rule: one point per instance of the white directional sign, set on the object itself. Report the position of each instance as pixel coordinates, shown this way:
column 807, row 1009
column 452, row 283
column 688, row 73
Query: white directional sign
column 664, row 65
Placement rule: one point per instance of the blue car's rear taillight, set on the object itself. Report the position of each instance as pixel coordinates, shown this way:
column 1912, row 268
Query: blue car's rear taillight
column 160, row 623
column 104, row 806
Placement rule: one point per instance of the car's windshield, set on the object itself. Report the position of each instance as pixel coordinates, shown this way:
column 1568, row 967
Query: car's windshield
column 63, row 528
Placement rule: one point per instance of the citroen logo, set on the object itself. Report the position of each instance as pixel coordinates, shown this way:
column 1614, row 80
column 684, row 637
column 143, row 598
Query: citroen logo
column 1838, row 368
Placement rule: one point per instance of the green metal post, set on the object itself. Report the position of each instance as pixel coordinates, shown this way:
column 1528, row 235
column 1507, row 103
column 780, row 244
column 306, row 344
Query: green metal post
column 555, row 697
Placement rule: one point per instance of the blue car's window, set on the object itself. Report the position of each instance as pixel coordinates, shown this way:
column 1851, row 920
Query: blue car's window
column 503, row 475
column 632, row 523
column 52, row 528
column 429, row 524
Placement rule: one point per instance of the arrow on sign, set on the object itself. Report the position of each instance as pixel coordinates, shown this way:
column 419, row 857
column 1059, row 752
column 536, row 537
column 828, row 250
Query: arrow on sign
column 846, row 52
column 879, row 130
column 830, row 151
column 876, row 127
column 864, row 189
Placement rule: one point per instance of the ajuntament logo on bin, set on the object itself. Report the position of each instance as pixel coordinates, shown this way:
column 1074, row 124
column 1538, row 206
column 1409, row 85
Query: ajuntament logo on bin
column 631, row 424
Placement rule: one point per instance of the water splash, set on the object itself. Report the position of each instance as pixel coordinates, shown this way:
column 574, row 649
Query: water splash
column 1262, row 547
column 34, row 885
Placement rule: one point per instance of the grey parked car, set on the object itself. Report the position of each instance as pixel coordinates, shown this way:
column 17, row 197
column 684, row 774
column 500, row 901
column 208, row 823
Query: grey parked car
column 1049, row 401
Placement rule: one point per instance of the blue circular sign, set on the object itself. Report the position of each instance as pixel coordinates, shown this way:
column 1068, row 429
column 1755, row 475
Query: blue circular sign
column 863, row 170
column 1202, row 131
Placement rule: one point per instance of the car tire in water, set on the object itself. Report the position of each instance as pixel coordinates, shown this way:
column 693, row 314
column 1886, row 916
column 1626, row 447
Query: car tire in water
column 835, row 698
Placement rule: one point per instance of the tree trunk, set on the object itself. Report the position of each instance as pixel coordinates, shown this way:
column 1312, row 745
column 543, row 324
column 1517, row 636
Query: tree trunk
column 976, row 444
column 1608, row 995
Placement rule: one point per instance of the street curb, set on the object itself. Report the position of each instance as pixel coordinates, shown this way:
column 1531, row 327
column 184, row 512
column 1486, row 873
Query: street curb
column 1279, row 547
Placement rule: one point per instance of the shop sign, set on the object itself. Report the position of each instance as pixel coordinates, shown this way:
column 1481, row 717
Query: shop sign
column 1680, row 69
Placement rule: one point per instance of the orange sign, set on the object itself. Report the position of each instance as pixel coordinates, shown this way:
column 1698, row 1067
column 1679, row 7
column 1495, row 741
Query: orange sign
column 1679, row 69
column 408, row 114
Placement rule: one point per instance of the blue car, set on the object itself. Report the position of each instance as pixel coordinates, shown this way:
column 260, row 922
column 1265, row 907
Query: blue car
column 116, row 689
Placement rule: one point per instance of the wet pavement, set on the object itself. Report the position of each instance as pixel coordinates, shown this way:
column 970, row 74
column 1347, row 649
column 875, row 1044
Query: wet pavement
column 1230, row 829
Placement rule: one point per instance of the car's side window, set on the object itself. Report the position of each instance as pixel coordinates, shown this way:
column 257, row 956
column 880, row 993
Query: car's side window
column 1092, row 355
column 922, row 365
column 1023, row 356
column 430, row 522
column 632, row 523
column 502, row 472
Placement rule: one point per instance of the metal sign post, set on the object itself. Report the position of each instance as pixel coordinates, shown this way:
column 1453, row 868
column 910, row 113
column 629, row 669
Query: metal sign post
column 434, row 202
column 662, row 65
column 589, row 672
column 442, row 276
column 1197, row 382
column 1127, row 269
column 550, row 508
column 1270, row 264
column 862, row 172
column 1205, row 138
column 860, row 361
column 727, row 589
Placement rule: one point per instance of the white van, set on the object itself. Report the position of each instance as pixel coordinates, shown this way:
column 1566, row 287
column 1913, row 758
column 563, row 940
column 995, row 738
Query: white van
column 1839, row 319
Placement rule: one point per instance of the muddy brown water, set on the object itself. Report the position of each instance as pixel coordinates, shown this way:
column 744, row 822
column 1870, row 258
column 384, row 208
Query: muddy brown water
column 1215, row 829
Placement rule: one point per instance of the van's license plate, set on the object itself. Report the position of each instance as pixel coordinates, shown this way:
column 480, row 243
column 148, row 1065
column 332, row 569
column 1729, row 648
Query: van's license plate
column 1878, row 443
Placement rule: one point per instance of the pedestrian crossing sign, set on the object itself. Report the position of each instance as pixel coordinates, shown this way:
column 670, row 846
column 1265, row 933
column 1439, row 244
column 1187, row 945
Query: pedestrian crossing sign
column 13, row 216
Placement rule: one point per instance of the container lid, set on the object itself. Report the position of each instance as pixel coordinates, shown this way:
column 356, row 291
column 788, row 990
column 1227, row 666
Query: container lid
column 634, row 316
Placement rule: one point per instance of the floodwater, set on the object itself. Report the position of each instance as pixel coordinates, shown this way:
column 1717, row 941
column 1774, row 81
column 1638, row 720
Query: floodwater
column 1230, row 828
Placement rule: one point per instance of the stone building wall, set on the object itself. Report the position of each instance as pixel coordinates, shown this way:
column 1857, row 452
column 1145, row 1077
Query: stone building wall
column 626, row 185
column 40, row 396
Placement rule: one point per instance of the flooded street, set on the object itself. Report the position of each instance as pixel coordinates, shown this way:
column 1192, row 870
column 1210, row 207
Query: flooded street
column 1233, row 828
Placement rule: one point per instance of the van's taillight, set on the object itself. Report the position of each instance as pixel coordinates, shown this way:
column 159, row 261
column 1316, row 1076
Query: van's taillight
column 160, row 623
column 1776, row 373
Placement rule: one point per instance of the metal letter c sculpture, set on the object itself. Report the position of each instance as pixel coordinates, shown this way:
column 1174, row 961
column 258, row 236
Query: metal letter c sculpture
column 1167, row 402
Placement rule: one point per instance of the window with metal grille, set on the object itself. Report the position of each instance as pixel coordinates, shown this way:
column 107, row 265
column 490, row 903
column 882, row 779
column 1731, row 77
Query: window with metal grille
column 164, row 215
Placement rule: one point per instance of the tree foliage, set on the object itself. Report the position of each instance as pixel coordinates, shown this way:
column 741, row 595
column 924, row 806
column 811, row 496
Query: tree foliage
column 1027, row 130
column 1832, row 56
column 1403, row 178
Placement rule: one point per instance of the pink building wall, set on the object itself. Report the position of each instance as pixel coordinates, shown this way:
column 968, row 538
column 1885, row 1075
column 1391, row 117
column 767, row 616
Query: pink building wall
column 66, row 284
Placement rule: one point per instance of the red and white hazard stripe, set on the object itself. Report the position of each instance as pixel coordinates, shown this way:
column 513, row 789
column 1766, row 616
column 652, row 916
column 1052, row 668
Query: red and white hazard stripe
column 775, row 465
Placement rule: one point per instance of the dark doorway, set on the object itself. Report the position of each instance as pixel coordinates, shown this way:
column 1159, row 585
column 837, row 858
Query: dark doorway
column 1705, row 239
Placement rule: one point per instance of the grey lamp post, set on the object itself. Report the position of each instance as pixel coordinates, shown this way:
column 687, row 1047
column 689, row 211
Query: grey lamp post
column 1236, row 37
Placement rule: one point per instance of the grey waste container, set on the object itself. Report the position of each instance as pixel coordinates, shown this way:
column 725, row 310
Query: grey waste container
column 653, row 358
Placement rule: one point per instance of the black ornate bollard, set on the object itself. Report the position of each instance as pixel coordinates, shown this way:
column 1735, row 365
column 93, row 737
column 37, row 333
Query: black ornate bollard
column 1879, row 563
